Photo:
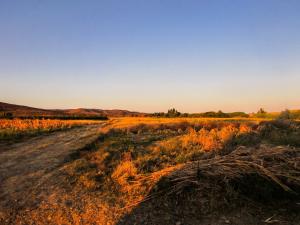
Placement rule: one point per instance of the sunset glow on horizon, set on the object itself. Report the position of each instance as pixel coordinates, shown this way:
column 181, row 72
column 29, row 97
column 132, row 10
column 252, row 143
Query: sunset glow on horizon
column 150, row 56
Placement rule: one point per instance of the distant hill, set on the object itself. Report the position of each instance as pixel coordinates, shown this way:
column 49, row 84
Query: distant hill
column 26, row 111
column 20, row 110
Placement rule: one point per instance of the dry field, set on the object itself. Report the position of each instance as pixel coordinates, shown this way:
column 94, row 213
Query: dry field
column 155, row 171
column 16, row 128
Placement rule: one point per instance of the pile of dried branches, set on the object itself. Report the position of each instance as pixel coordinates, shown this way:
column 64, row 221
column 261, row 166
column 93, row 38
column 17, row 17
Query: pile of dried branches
column 271, row 168
column 262, row 173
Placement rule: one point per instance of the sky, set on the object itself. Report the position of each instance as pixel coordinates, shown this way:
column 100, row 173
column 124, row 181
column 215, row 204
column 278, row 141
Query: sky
column 151, row 55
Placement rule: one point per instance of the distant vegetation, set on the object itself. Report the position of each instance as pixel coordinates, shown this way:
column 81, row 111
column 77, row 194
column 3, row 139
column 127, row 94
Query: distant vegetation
column 286, row 114
column 9, row 111
column 9, row 115
column 174, row 113
column 6, row 115
column 261, row 113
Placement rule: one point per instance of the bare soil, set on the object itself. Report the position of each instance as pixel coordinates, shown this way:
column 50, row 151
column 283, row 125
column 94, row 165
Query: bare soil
column 26, row 166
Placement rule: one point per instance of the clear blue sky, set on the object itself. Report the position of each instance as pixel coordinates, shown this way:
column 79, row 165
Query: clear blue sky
column 150, row 55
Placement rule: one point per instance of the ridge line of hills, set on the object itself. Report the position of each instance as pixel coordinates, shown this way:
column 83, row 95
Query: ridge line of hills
column 27, row 111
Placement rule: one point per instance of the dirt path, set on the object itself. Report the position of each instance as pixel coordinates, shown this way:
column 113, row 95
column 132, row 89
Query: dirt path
column 24, row 166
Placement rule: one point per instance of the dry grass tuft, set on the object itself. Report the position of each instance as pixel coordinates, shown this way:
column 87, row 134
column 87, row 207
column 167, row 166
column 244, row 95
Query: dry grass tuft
column 124, row 173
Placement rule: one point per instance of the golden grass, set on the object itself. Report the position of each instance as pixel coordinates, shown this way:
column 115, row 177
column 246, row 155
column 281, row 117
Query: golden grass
column 20, row 124
column 128, row 121
column 215, row 138
column 131, row 122
column 145, row 159
column 20, row 127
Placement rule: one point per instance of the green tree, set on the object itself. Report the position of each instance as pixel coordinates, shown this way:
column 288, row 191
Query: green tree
column 173, row 113
column 261, row 113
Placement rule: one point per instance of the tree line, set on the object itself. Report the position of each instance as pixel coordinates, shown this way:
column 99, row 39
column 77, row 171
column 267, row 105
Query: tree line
column 261, row 113
column 211, row 114
column 10, row 115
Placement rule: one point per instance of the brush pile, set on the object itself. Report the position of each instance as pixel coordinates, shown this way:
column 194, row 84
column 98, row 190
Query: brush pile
column 264, row 173
column 250, row 185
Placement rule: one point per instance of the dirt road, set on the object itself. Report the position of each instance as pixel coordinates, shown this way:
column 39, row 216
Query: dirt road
column 25, row 166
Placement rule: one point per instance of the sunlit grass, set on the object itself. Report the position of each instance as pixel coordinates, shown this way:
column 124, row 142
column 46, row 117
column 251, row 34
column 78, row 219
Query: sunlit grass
column 133, row 159
column 124, row 122
column 10, row 129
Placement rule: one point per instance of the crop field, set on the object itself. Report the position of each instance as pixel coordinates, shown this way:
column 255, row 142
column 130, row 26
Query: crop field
column 10, row 129
column 154, row 171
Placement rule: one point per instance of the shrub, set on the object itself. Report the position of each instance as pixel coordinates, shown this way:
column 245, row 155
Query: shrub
column 285, row 115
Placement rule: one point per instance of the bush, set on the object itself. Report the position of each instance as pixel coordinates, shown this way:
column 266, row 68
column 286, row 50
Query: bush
column 285, row 115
